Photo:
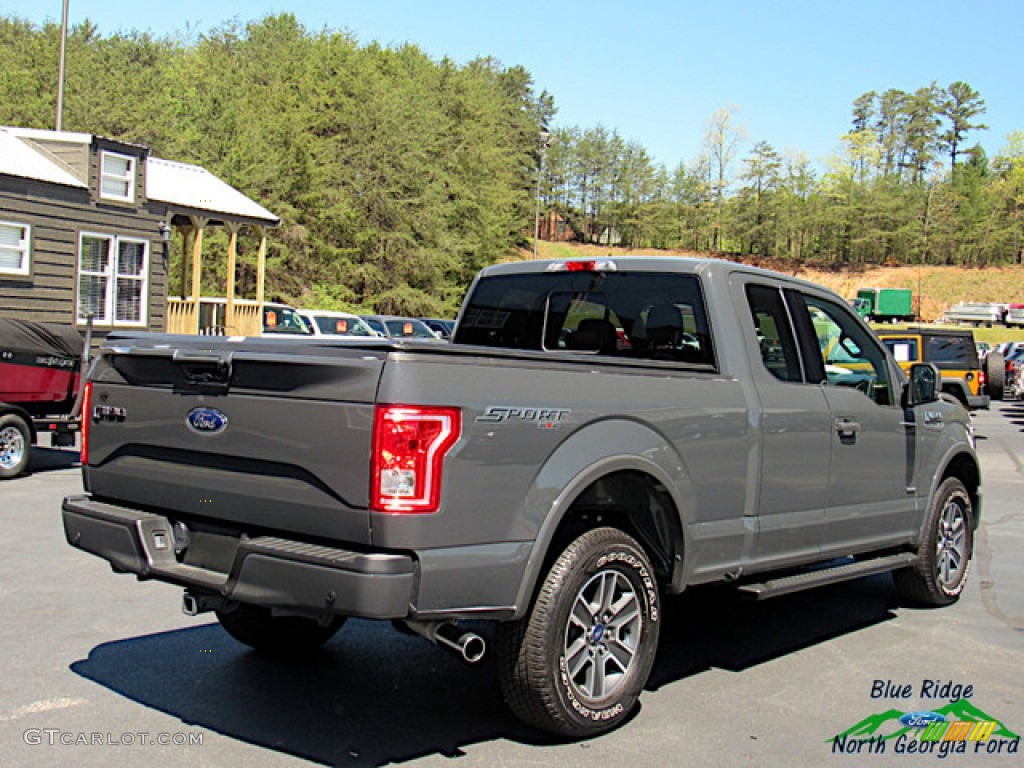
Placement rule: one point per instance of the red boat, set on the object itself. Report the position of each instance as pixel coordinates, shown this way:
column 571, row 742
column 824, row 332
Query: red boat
column 39, row 363
column 40, row 366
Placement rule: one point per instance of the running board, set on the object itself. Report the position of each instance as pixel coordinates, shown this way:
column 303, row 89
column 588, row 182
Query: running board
column 810, row 579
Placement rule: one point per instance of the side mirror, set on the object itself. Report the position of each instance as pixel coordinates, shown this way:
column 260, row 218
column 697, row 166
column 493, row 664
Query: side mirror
column 924, row 386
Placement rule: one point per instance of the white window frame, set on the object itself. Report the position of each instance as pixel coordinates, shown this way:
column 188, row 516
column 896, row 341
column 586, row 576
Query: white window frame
column 126, row 179
column 24, row 248
column 111, row 274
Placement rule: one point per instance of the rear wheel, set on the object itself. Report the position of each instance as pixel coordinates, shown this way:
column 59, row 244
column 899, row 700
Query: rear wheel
column 944, row 556
column 259, row 629
column 575, row 665
column 15, row 442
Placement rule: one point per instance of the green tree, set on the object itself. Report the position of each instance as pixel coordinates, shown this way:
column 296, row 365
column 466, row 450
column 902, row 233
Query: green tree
column 959, row 104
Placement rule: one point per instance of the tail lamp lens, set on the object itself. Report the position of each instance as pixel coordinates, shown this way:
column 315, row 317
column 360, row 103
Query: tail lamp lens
column 409, row 447
column 86, row 421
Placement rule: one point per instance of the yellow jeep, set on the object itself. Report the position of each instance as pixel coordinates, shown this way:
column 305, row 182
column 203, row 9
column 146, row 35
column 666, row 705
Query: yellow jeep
column 953, row 352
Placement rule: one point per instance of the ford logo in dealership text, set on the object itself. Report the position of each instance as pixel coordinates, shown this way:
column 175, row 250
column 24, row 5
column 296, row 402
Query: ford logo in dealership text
column 921, row 719
column 207, row 421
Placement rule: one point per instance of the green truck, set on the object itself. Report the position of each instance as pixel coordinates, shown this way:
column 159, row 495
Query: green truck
column 885, row 305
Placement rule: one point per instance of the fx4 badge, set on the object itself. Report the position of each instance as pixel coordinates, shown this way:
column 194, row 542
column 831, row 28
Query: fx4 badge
column 544, row 418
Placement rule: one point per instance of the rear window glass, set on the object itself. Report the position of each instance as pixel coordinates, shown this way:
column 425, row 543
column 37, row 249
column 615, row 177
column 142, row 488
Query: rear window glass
column 345, row 326
column 409, row 328
column 951, row 349
column 655, row 316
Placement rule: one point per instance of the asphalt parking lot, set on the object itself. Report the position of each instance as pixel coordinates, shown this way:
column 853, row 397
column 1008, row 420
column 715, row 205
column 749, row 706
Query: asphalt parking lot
column 100, row 670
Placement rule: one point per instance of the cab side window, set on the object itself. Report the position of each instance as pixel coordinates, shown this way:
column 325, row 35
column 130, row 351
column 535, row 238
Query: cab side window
column 850, row 356
column 774, row 333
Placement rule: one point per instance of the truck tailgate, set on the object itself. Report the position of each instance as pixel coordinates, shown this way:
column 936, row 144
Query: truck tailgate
column 236, row 433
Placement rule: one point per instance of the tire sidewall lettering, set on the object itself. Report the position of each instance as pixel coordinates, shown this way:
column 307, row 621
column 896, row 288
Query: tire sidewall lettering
column 962, row 500
column 596, row 715
column 650, row 586
column 633, row 567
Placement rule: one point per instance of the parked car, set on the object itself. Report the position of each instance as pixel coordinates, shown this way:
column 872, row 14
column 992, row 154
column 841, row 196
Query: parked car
column 953, row 352
column 443, row 328
column 396, row 327
column 1014, row 383
column 280, row 320
column 325, row 322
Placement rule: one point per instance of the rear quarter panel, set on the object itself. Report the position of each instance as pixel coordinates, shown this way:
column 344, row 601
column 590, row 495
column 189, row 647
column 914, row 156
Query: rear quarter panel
column 508, row 479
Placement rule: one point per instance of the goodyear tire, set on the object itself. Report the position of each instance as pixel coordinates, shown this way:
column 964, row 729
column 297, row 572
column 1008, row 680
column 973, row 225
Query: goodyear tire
column 279, row 635
column 944, row 555
column 575, row 665
column 15, row 443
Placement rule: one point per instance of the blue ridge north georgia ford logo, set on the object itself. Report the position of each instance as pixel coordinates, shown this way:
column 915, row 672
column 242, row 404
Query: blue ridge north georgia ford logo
column 206, row 421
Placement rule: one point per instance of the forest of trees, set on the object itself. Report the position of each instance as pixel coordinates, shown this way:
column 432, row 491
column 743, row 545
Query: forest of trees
column 904, row 188
column 397, row 177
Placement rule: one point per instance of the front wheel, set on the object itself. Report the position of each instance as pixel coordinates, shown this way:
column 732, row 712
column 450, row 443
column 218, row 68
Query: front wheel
column 944, row 556
column 260, row 629
column 15, row 442
column 575, row 665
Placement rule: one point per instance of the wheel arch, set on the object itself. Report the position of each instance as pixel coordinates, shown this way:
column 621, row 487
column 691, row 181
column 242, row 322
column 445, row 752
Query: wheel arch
column 965, row 468
column 958, row 388
column 7, row 408
column 641, row 487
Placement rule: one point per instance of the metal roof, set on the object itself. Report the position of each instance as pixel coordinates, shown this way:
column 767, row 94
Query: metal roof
column 18, row 158
column 190, row 186
column 180, row 185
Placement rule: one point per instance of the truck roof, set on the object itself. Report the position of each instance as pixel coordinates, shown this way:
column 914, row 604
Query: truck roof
column 681, row 264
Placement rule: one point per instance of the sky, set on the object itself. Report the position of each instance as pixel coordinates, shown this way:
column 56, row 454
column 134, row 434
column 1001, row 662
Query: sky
column 656, row 71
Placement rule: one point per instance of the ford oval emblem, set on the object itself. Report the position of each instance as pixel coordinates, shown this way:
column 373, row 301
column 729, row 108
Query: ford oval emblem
column 206, row 421
column 921, row 719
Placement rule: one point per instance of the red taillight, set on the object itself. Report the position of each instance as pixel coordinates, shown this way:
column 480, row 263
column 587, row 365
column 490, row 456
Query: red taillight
column 86, row 420
column 583, row 265
column 580, row 266
column 409, row 446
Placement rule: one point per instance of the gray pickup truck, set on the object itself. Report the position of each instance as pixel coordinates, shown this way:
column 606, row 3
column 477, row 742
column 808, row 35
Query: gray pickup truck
column 599, row 434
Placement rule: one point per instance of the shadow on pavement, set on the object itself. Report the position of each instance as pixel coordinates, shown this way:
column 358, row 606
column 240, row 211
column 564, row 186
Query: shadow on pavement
column 373, row 696
column 49, row 459
column 1014, row 413
column 370, row 697
column 715, row 627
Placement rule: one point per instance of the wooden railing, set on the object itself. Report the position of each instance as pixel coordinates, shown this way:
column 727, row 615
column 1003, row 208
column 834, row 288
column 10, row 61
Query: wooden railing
column 210, row 317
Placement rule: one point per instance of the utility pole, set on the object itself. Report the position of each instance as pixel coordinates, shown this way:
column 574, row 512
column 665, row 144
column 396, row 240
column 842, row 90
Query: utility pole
column 60, row 67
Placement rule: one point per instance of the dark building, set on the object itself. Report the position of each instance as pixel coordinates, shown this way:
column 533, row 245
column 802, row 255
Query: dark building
column 87, row 224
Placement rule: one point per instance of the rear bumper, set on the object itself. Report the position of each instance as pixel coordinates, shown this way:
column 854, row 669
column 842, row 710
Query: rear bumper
column 263, row 570
column 974, row 402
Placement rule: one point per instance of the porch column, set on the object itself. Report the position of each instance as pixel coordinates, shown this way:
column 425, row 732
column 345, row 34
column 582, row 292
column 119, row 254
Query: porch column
column 198, row 222
column 186, row 233
column 261, row 272
column 230, row 322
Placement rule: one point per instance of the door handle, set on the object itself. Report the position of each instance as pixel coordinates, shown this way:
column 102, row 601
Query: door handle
column 847, row 427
